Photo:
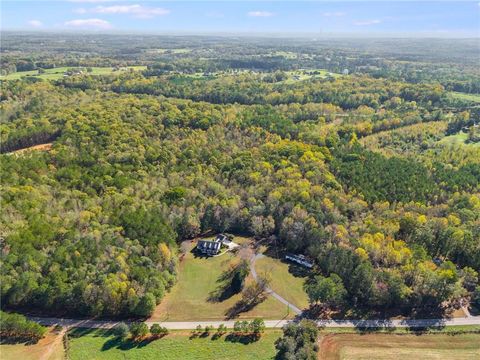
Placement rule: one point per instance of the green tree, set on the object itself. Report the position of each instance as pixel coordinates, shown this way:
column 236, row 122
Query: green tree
column 138, row 330
column 16, row 325
column 257, row 327
column 326, row 290
column 121, row 330
column 221, row 330
column 158, row 331
column 146, row 305
column 299, row 341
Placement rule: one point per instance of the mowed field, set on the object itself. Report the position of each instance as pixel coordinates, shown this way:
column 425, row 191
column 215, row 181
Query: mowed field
column 197, row 280
column 465, row 96
column 301, row 75
column 391, row 347
column 99, row 344
column 48, row 348
column 57, row 73
column 459, row 138
column 286, row 279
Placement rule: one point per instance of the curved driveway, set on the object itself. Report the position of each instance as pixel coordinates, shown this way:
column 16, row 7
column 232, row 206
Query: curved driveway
column 187, row 325
column 269, row 290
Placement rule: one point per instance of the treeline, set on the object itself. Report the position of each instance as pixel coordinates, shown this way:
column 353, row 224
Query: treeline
column 250, row 89
column 16, row 326
column 29, row 137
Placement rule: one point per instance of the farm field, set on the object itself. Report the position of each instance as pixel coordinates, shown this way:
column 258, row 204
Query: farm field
column 197, row 279
column 57, row 73
column 98, row 344
column 301, row 75
column 386, row 346
column 465, row 96
column 286, row 279
column 48, row 348
column 169, row 51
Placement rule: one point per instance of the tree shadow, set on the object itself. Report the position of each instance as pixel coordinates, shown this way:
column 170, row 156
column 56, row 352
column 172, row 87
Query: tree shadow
column 125, row 344
column 217, row 335
column 242, row 306
column 316, row 311
column 474, row 311
column 204, row 335
column 241, row 338
column 366, row 326
column 111, row 343
column 224, row 290
column 199, row 334
column 17, row 340
column 197, row 254
column 431, row 312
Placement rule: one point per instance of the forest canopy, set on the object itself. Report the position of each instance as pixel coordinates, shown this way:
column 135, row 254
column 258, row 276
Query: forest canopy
column 357, row 171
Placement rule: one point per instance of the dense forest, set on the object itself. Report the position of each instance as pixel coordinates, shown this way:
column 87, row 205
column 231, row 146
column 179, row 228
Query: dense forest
column 355, row 169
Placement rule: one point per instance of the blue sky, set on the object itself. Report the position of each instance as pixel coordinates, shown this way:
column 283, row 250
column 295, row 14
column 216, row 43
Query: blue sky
column 426, row 18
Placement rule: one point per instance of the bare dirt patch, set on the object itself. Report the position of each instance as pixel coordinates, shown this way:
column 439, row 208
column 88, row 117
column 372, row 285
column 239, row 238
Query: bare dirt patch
column 48, row 348
column 40, row 147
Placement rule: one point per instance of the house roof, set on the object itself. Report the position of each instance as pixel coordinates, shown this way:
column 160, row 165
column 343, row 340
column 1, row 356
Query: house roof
column 209, row 244
column 222, row 237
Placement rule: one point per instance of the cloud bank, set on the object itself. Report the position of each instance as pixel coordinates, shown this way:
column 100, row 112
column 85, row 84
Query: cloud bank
column 90, row 24
column 260, row 13
column 367, row 22
column 35, row 23
column 135, row 10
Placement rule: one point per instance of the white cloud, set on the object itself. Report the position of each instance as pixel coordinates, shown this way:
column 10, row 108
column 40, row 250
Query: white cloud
column 367, row 22
column 35, row 23
column 80, row 11
column 333, row 14
column 89, row 24
column 136, row 10
column 260, row 13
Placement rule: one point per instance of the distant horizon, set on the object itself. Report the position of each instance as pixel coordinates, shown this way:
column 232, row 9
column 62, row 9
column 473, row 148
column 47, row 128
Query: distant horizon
column 279, row 35
column 418, row 19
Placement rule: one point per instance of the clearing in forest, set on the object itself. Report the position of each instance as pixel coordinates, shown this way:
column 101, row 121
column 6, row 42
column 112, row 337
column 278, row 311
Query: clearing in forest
column 190, row 297
column 287, row 279
column 58, row 72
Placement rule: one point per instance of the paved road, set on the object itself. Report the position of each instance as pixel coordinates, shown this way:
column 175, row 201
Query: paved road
column 269, row 290
column 187, row 325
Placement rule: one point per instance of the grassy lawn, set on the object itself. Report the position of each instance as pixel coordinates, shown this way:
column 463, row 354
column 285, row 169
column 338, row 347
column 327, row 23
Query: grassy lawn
column 385, row 346
column 459, row 138
column 169, row 51
column 48, row 348
column 301, row 75
column 197, row 278
column 464, row 96
column 57, row 73
column 98, row 344
column 283, row 280
column 285, row 54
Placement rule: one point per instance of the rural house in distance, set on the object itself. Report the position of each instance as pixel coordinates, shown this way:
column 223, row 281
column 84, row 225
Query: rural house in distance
column 299, row 259
column 213, row 247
